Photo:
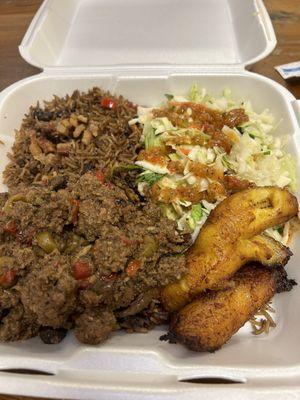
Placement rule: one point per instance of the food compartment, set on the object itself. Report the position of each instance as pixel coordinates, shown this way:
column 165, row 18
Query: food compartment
column 144, row 353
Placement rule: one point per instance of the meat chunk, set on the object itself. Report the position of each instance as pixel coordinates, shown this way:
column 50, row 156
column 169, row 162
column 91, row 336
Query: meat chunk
column 100, row 205
column 94, row 326
column 80, row 254
column 93, row 216
column 168, row 269
column 16, row 324
column 112, row 251
column 49, row 292
column 39, row 209
column 23, row 257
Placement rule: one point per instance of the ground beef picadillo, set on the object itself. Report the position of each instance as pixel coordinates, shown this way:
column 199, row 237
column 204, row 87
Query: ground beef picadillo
column 90, row 256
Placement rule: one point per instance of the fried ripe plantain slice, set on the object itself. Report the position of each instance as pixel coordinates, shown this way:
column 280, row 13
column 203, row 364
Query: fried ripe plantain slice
column 261, row 248
column 264, row 249
column 213, row 317
column 229, row 239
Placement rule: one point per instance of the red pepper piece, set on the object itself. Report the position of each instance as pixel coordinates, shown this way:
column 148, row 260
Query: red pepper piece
column 133, row 268
column 109, row 103
column 81, row 270
column 10, row 227
column 7, row 278
column 100, row 176
column 126, row 240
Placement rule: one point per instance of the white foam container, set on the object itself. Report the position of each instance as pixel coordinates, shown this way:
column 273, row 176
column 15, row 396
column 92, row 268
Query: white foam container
column 143, row 49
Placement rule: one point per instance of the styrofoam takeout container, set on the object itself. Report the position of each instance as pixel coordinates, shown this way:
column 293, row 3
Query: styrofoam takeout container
column 143, row 49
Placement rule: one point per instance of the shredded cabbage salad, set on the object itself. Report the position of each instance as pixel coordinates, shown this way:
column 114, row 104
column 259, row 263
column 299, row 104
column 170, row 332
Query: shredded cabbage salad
column 189, row 168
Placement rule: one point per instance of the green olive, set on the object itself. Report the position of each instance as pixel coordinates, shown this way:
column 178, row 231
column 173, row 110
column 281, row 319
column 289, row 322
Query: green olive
column 148, row 247
column 12, row 200
column 46, row 241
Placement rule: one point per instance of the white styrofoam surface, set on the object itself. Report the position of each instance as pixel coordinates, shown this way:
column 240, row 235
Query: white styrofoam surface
column 128, row 363
column 138, row 32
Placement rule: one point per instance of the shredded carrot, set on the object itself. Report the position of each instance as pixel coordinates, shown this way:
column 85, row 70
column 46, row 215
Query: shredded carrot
column 185, row 151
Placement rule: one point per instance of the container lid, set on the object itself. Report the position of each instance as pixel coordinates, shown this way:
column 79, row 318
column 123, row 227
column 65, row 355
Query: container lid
column 102, row 33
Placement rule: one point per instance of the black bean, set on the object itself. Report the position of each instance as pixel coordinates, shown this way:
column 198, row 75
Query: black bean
column 127, row 131
column 53, row 138
column 87, row 167
column 120, row 202
column 21, row 162
column 33, row 170
column 51, row 335
column 4, row 313
column 42, row 115
column 59, row 113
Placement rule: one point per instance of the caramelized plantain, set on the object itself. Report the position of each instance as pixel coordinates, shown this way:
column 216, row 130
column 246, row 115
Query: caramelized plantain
column 261, row 248
column 264, row 249
column 213, row 317
column 229, row 239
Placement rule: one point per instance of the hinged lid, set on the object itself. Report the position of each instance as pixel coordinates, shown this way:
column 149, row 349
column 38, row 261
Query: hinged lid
column 141, row 33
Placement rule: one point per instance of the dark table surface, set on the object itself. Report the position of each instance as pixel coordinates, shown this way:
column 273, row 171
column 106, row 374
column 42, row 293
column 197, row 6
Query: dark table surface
column 15, row 16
